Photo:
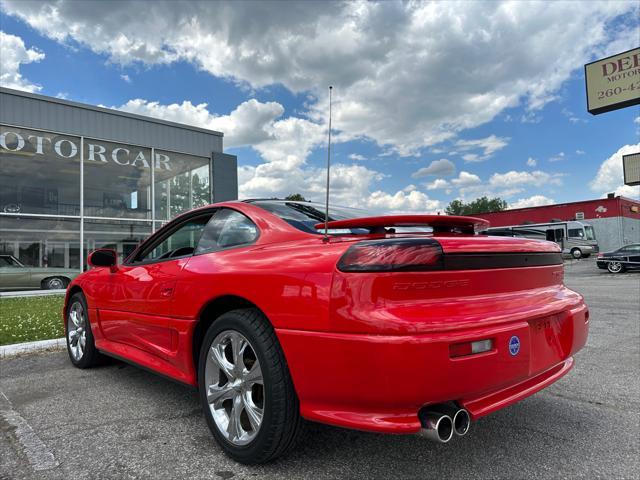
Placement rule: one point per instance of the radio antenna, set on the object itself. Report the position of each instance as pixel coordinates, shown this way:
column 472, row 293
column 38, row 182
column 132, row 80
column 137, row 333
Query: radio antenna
column 326, row 209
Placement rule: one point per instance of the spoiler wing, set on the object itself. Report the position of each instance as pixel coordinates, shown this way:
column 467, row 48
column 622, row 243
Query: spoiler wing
column 439, row 223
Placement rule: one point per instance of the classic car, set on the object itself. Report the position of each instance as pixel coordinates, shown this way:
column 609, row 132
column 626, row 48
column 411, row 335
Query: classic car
column 14, row 275
column 410, row 324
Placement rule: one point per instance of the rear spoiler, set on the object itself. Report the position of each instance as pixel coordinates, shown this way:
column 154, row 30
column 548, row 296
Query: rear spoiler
column 439, row 223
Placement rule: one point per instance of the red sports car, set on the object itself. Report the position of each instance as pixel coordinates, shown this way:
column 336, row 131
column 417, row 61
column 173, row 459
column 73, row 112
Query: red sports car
column 397, row 324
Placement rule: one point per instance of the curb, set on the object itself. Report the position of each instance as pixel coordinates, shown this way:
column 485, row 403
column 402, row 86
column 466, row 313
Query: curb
column 31, row 347
column 31, row 293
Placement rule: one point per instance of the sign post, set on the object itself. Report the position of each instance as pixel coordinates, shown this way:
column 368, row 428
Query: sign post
column 613, row 82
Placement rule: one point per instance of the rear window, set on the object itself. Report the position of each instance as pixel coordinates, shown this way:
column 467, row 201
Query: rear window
column 304, row 215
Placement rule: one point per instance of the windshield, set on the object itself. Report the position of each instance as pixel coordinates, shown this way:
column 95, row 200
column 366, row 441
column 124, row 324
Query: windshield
column 591, row 234
column 9, row 261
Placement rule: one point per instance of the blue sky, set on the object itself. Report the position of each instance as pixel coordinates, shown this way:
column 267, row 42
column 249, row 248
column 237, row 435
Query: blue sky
column 499, row 104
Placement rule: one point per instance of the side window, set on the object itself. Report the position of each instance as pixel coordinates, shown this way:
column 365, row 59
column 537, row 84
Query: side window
column 576, row 233
column 227, row 228
column 180, row 243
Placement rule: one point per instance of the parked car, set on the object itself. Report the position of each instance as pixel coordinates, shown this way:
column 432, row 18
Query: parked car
column 364, row 327
column 16, row 276
column 624, row 258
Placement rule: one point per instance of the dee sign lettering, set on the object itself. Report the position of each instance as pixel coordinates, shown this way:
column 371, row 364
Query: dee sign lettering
column 613, row 82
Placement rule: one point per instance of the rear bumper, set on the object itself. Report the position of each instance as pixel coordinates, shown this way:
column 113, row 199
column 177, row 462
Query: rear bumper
column 380, row 382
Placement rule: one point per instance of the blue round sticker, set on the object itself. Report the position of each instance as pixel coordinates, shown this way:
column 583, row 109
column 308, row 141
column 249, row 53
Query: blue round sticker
column 514, row 345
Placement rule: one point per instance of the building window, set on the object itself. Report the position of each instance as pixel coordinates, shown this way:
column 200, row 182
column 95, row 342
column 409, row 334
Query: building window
column 121, row 236
column 39, row 172
column 181, row 183
column 44, row 224
column 41, row 242
column 117, row 180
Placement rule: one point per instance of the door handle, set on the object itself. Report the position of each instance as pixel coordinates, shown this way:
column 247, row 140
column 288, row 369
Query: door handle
column 166, row 292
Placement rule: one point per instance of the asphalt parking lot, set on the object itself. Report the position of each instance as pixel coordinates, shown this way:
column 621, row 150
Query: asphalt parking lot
column 117, row 421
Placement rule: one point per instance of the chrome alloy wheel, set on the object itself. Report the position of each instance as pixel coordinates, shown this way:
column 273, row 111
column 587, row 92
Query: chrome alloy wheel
column 235, row 387
column 614, row 267
column 55, row 284
column 76, row 330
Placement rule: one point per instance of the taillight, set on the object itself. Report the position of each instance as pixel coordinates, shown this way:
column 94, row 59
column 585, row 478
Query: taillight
column 393, row 255
column 600, row 255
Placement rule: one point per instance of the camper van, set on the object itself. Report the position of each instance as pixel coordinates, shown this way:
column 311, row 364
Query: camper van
column 577, row 239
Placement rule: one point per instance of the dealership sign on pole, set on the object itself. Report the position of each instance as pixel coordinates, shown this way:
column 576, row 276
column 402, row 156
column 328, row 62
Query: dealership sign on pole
column 613, row 82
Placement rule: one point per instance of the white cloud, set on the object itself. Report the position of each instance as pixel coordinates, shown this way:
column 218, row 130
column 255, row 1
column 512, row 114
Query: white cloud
column 572, row 117
column 413, row 201
column 533, row 201
column 504, row 185
column 580, row 152
column 284, row 144
column 251, row 123
column 610, row 176
column 437, row 184
column 466, row 179
column 531, row 162
column 14, row 54
column 637, row 120
column 125, row 77
column 357, row 157
column 537, row 178
column 488, row 145
column 557, row 158
column 437, row 167
column 416, row 58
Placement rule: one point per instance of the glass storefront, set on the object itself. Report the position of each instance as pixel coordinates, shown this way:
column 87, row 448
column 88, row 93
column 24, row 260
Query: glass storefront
column 60, row 192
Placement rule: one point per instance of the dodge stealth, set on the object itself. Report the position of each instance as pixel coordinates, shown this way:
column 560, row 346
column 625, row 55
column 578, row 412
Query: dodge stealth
column 410, row 324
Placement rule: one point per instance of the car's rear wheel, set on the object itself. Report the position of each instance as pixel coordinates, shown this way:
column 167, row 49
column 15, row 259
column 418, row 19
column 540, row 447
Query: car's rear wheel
column 55, row 283
column 246, row 390
column 80, row 343
column 615, row 267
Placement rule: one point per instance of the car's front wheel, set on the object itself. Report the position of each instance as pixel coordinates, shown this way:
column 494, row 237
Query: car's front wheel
column 576, row 253
column 615, row 267
column 246, row 390
column 80, row 343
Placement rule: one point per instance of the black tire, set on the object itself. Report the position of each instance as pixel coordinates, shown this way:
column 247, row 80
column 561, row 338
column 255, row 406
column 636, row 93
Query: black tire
column 576, row 253
column 55, row 283
column 281, row 425
column 90, row 356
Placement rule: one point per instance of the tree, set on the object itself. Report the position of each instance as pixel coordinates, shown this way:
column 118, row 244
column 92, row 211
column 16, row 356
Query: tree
column 479, row 205
column 296, row 197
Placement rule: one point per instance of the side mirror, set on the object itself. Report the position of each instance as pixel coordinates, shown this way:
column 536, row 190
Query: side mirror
column 103, row 257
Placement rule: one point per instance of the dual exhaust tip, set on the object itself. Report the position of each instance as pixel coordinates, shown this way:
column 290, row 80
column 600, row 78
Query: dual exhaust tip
column 441, row 422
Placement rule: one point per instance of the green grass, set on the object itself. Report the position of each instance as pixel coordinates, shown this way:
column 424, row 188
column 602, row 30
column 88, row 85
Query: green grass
column 25, row 319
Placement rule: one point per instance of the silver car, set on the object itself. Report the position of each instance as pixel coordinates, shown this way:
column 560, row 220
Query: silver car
column 16, row 276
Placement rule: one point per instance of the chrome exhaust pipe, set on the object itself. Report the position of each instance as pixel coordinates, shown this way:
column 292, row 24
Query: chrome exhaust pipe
column 460, row 417
column 461, row 422
column 436, row 426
